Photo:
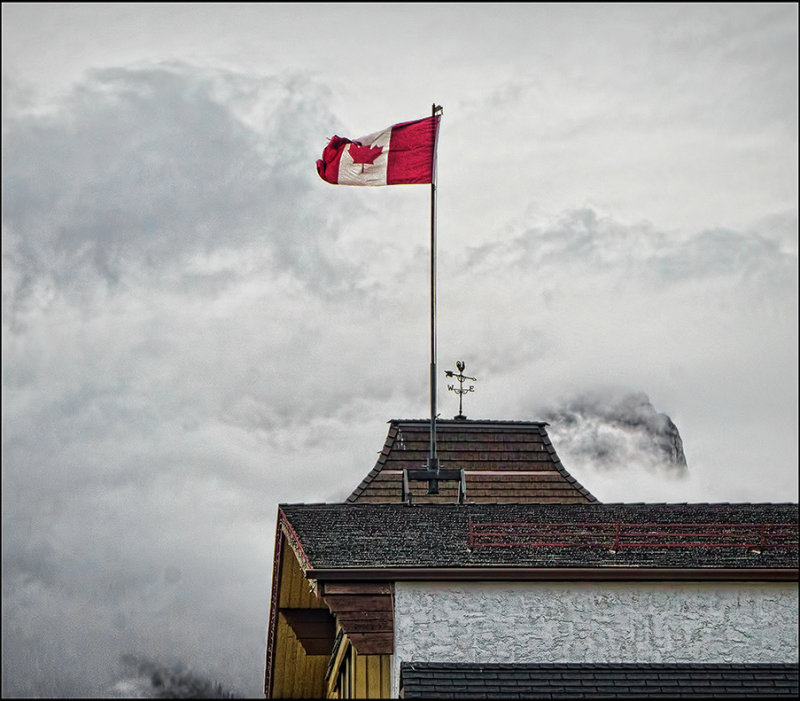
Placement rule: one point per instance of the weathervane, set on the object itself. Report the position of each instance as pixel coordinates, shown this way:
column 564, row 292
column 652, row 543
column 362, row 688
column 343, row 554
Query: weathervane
column 460, row 391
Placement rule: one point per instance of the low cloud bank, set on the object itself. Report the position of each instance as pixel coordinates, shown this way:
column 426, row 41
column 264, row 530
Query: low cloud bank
column 155, row 680
column 604, row 430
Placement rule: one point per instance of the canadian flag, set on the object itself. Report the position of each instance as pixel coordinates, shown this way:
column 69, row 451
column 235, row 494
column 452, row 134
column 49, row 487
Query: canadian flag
column 402, row 154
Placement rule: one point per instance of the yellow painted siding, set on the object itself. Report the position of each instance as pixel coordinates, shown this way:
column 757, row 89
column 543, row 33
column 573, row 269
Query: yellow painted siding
column 373, row 676
column 295, row 674
column 295, row 590
column 359, row 676
column 386, row 676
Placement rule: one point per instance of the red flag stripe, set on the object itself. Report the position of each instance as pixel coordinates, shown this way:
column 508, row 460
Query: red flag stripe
column 411, row 152
column 328, row 165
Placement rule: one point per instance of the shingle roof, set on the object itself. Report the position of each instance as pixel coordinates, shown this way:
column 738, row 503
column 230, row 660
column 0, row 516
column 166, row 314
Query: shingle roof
column 432, row 680
column 336, row 536
column 503, row 461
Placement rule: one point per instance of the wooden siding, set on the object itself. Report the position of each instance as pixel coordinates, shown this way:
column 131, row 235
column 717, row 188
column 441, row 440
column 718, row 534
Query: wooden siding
column 353, row 675
column 502, row 463
column 295, row 674
column 482, row 487
column 314, row 628
column 306, row 664
column 365, row 613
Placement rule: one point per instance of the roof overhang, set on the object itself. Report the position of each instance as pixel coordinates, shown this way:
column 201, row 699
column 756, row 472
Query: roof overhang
column 533, row 574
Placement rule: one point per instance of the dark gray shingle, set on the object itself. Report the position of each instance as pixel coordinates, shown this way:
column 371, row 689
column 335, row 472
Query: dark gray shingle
column 591, row 681
column 336, row 536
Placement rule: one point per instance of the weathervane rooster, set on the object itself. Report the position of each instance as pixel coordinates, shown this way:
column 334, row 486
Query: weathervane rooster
column 460, row 391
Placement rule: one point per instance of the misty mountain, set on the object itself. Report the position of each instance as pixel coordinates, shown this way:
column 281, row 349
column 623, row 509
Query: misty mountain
column 154, row 680
column 607, row 429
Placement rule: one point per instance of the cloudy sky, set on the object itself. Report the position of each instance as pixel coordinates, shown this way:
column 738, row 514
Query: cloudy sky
column 196, row 328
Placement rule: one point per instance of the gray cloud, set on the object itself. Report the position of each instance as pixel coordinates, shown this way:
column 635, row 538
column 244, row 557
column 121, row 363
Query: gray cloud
column 607, row 429
column 146, row 171
column 128, row 215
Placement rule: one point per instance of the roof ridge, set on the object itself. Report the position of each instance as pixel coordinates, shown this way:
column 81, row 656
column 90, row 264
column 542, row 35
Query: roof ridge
column 473, row 422
column 543, row 505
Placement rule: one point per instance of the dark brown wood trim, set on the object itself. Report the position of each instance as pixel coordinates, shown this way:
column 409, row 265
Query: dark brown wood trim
column 314, row 628
column 356, row 588
column 367, row 622
column 365, row 613
column 373, row 643
column 396, row 574
column 339, row 603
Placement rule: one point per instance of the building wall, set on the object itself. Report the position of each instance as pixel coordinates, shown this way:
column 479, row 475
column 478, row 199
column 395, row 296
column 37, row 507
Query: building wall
column 594, row 622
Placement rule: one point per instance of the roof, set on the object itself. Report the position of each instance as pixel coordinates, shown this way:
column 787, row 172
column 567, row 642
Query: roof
column 432, row 680
column 379, row 536
column 503, row 461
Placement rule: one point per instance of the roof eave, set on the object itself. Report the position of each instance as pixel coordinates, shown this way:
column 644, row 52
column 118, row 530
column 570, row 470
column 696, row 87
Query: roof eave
column 394, row 574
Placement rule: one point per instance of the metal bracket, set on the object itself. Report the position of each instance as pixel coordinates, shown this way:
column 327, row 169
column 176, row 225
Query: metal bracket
column 433, row 477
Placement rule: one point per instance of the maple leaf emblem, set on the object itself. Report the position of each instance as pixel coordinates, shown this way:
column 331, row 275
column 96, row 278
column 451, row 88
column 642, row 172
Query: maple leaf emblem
column 364, row 154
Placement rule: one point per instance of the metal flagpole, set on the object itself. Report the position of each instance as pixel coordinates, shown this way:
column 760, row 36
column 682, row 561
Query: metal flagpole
column 433, row 460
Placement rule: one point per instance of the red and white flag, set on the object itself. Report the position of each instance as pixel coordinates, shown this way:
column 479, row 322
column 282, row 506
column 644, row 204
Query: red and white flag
column 400, row 155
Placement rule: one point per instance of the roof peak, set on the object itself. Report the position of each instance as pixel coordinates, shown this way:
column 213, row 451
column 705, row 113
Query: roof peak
column 486, row 461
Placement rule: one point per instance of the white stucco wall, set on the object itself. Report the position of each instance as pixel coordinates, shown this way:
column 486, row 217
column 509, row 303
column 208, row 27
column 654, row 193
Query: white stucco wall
column 594, row 622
